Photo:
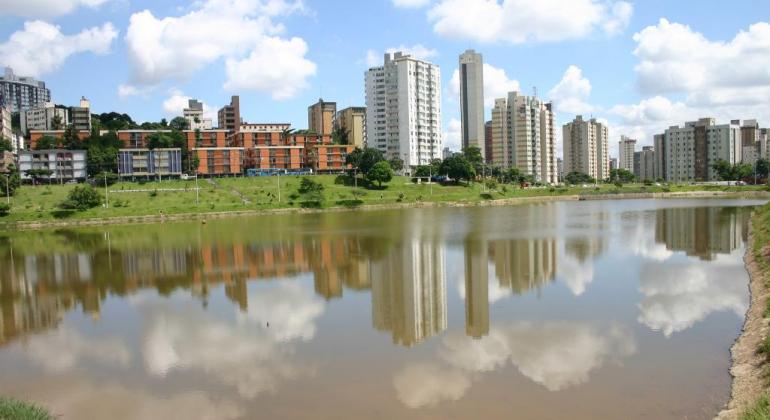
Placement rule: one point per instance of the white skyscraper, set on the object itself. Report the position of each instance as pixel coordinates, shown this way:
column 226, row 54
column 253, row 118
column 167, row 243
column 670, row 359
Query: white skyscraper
column 586, row 148
column 403, row 109
column 472, row 100
column 626, row 150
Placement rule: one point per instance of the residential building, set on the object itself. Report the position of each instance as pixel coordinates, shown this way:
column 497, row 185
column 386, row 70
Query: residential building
column 586, row 147
column 500, row 150
column 691, row 150
column 472, row 121
column 6, row 162
column 764, row 143
column 21, row 92
column 353, row 121
column 64, row 165
column 36, row 135
column 403, row 109
column 320, row 117
column 560, row 169
column 530, row 137
column 44, row 118
column 137, row 139
column 751, row 143
column 149, row 163
column 80, row 116
column 659, row 145
column 613, row 164
column 330, row 157
column 644, row 164
column 6, row 124
column 446, row 153
column 229, row 116
column 194, row 116
column 626, row 150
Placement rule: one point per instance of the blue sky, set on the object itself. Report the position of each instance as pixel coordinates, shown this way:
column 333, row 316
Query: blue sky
column 640, row 65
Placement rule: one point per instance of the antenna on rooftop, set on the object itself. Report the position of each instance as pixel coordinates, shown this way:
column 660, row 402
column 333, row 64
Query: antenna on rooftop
column 534, row 91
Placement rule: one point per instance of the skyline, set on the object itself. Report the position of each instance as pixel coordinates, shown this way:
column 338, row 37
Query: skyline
column 641, row 67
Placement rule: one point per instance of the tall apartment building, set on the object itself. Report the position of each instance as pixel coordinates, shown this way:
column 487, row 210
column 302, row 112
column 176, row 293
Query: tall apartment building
column 194, row 116
column 659, row 145
column 21, row 92
column 6, row 130
column 320, row 117
column 353, row 121
column 751, row 144
column 80, row 116
column 403, row 109
column 644, row 164
column 488, row 142
column 44, row 118
column 690, row 151
column 586, row 147
column 500, row 149
column 472, row 100
column 764, row 143
column 229, row 116
column 626, row 151
column 613, row 163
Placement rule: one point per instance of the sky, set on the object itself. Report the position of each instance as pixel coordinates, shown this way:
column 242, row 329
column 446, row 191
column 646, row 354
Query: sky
column 640, row 66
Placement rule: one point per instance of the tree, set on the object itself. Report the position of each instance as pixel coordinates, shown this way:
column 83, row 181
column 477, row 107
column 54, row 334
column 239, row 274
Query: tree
column 70, row 139
column 5, row 145
column 762, row 167
column 457, row 167
column 311, row 192
column 622, row 176
column 513, row 176
column 380, row 172
column 56, row 122
column 46, row 143
column 114, row 121
column 727, row 172
column 365, row 159
column 10, row 181
column 179, row 124
column 38, row 174
column 5, row 208
column 340, row 135
column 396, row 164
column 473, row 155
column 575, row 178
column 81, row 198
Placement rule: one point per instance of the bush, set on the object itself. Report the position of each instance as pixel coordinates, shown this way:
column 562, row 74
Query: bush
column 81, row 198
column 14, row 409
column 5, row 209
column 618, row 184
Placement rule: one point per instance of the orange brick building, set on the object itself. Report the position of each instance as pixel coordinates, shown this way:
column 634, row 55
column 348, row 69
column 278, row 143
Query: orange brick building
column 36, row 135
column 136, row 139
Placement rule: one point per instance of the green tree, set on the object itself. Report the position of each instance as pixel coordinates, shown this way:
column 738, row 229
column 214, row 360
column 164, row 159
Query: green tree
column 737, row 172
column 380, row 172
column 457, row 167
column 513, row 176
column 622, row 176
column 340, row 135
column 179, row 123
column 574, row 178
column 46, row 143
column 312, row 193
column 115, row 121
column 10, row 181
column 5, row 209
column 57, row 123
column 396, row 164
column 38, row 174
column 70, row 139
column 762, row 166
column 473, row 155
column 81, row 198
column 365, row 159
column 5, row 145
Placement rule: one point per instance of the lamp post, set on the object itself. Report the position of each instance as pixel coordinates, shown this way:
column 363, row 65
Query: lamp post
column 106, row 195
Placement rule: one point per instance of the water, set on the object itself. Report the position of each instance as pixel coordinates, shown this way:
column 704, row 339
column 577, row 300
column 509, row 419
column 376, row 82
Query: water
column 604, row 309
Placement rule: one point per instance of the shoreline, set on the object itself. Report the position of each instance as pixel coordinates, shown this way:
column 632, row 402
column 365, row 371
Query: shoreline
column 748, row 364
column 161, row 218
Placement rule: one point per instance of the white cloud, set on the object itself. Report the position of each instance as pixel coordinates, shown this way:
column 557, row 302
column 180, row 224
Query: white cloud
column 45, row 8
column 241, row 32
column 410, row 4
column 419, row 51
column 425, row 385
column 496, row 84
column 572, row 92
column 452, row 138
column 284, row 76
column 61, row 350
column 520, row 21
column 177, row 101
column 41, row 48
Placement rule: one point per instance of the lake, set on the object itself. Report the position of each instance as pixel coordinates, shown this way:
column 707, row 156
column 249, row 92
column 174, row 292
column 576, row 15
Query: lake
column 582, row 310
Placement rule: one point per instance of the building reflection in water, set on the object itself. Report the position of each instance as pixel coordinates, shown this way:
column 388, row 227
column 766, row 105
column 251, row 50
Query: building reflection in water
column 702, row 232
column 476, row 288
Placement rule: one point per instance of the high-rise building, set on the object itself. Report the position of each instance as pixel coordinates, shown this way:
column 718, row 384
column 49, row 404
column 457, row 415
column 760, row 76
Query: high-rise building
column 229, row 116
column 626, row 150
column 613, row 163
column 500, row 149
column 586, row 147
column 6, row 130
column 320, row 117
column 403, row 109
column 353, row 121
column 472, row 100
column 560, row 169
column 80, row 116
column 659, row 145
column 21, row 92
column 750, row 142
column 689, row 152
column 644, row 164
column 488, row 142
column 194, row 116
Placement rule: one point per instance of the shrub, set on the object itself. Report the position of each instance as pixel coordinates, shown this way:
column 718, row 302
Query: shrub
column 5, row 208
column 81, row 198
column 153, row 193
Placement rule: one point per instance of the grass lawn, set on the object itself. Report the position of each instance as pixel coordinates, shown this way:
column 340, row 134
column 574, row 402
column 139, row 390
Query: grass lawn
column 39, row 203
column 11, row 409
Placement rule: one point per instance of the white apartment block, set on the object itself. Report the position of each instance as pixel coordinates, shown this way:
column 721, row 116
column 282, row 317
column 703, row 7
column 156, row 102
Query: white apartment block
column 64, row 165
column 586, row 148
column 626, row 150
column 44, row 118
column 6, row 130
column 691, row 151
column 194, row 116
column 472, row 100
column 501, row 150
column 403, row 109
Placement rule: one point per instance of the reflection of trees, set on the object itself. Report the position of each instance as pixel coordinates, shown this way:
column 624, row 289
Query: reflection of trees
column 702, row 232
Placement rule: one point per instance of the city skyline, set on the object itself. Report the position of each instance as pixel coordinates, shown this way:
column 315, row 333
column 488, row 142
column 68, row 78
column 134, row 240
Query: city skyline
column 624, row 91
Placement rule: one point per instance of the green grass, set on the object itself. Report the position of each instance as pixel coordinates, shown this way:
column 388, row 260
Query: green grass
column 759, row 411
column 39, row 203
column 11, row 409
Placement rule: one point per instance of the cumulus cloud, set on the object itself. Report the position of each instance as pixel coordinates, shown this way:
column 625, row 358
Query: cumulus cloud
column 452, row 137
column 177, row 101
column 571, row 93
column 410, row 4
column 496, row 84
column 41, row 48
column 419, row 51
column 45, row 8
column 425, row 385
column 61, row 350
column 241, row 32
column 520, row 21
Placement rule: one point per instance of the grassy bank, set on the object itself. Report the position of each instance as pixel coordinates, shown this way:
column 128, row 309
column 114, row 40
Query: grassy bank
column 760, row 251
column 11, row 409
column 129, row 199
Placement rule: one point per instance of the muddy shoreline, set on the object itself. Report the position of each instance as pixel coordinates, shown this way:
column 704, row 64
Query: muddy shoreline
column 160, row 218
